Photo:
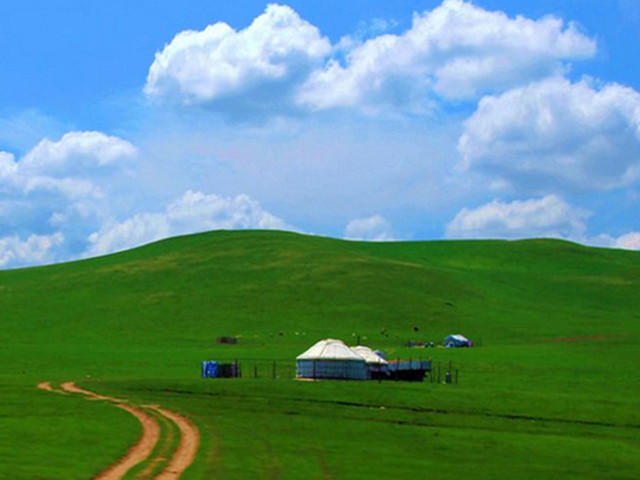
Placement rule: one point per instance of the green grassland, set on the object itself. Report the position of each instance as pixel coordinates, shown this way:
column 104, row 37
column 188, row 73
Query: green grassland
column 551, row 391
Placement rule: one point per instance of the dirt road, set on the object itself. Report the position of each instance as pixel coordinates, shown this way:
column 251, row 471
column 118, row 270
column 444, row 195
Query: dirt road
column 143, row 449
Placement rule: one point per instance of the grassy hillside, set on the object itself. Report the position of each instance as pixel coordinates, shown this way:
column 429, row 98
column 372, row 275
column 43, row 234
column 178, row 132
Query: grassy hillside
column 552, row 389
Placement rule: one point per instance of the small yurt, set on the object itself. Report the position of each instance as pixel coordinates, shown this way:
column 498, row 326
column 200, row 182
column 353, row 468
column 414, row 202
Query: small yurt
column 376, row 365
column 331, row 358
column 370, row 357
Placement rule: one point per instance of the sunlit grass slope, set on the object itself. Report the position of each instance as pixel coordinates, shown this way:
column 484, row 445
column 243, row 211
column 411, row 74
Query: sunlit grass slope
column 552, row 388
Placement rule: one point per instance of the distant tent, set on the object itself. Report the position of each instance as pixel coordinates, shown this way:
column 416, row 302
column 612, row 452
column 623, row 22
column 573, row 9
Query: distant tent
column 457, row 341
column 331, row 358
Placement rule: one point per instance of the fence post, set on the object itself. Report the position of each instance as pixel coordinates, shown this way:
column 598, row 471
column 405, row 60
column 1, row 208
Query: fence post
column 255, row 371
column 397, row 368
column 274, row 369
column 456, row 376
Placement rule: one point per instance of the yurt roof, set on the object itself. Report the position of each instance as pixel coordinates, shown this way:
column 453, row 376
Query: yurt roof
column 329, row 349
column 369, row 355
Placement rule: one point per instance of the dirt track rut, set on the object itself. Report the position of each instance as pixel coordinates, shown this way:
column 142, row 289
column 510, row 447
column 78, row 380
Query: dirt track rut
column 143, row 449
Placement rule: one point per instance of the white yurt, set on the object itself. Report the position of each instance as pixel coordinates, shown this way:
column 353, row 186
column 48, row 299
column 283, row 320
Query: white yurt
column 331, row 358
column 370, row 357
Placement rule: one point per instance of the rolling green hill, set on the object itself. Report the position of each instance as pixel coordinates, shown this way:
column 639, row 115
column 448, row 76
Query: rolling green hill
column 552, row 389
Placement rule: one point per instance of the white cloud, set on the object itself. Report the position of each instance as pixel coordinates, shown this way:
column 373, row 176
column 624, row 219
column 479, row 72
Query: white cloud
column 68, row 166
column 549, row 216
column 282, row 63
column 193, row 212
column 546, row 217
column 8, row 165
column 132, row 232
column 629, row 241
column 35, row 249
column 374, row 228
column 75, row 152
column 58, row 190
column 256, row 67
column 554, row 134
column 456, row 50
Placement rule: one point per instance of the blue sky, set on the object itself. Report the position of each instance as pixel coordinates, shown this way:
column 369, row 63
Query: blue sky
column 126, row 122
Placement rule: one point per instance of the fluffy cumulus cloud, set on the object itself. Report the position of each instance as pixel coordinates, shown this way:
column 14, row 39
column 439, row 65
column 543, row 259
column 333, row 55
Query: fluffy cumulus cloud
column 456, row 51
column 253, row 69
column 282, row 62
column 33, row 250
column 193, row 212
column 76, row 152
column 374, row 228
column 630, row 241
column 546, row 217
column 627, row 241
column 67, row 166
column 557, row 134
column 54, row 189
column 549, row 217
column 63, row 198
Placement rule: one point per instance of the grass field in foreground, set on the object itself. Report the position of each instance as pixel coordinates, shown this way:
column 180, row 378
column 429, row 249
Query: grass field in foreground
column 552, row 390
